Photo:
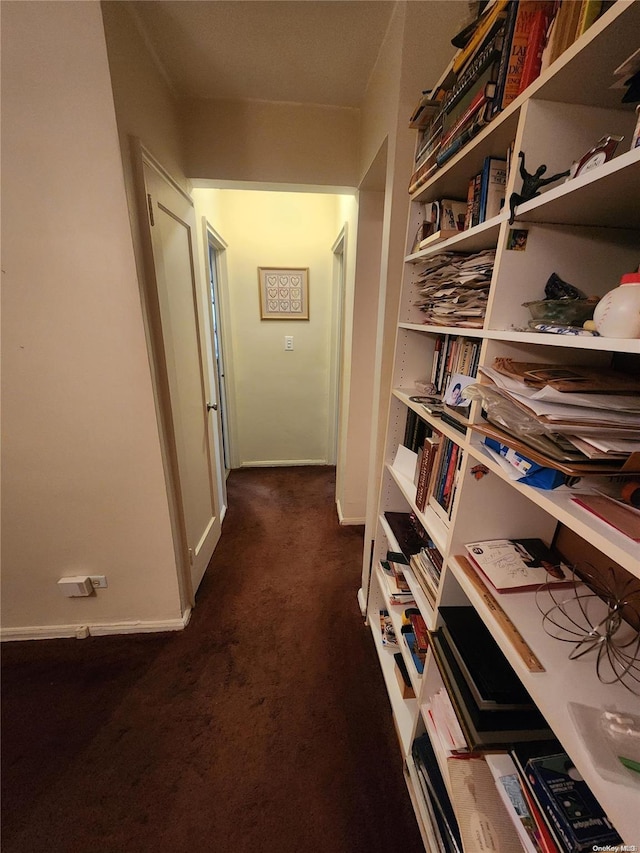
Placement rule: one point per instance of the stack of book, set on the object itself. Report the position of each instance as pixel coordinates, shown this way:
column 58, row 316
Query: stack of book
column 415, row 635
column 500, row 55
column 566, row 816
column 453, row 354
column 398, row 590
column 427, row 568
column 486, row 193
column 490, row 702
column 425, row 464
column 453, row 288
column 444, row 479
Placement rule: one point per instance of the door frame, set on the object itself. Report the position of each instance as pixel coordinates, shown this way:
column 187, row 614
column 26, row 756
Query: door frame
column 336, row 364
column 142, row 157
column 211, row 239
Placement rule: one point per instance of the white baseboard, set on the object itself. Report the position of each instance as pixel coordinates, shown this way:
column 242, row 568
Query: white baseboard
column 281, row 463
column 344, row 521
column 55, row 632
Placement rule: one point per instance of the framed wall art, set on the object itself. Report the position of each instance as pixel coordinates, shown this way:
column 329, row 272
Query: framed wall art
column 284, row 293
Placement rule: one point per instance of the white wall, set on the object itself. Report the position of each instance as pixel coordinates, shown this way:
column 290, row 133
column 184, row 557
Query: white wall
column 145, row 106
column 363, row 276
column 271, row 142
column 83, row 485
column 403, row 69
column 282, row 401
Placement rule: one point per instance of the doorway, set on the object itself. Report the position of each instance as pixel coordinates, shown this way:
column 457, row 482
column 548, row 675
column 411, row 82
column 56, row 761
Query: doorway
column 215, row 248
column 178, row 316
column 338, row 350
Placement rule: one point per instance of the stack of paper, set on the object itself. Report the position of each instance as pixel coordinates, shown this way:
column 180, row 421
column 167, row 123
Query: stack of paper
column 453, row 288
column 595, row 426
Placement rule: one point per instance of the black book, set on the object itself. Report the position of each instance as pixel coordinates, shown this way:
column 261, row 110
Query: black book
column 503, row 67
column 484, row 729
column 453, row 421
column 410, row 534
column 487, row 672
column 436, row 796
column 409, row 428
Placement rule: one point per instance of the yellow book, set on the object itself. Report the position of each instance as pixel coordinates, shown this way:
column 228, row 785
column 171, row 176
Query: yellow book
column 484, row 25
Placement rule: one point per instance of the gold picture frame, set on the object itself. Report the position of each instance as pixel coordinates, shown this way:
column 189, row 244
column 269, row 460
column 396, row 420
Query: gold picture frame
column 284, row 293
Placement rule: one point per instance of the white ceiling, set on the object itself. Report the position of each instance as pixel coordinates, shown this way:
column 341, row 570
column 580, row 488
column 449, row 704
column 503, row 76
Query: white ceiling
column 303, row 51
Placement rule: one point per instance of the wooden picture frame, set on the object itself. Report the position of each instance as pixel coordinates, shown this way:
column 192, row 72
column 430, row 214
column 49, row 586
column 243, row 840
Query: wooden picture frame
column 284, row 293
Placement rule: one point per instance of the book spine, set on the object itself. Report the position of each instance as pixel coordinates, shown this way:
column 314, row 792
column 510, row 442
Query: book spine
column 459, row 141
column 484, row 184
column 479, row 101
column 503, row 66
column 546, row 807
column 473, row 73
column 495, row 190
column 420, row 632
column 544, row 837
column 482, row 31
column 475, row 215
column 409, row 427
column 427, row 145
column 442, row 360
column 526, row 12
column 535, row 48
column 591, row 10
column 447, row 491
column 437, row 349
column 468, row 217
column 426, row 466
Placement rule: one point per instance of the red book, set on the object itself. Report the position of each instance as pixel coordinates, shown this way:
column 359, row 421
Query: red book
column 535, row 47
column 429, row 451
column 420, row 631
column 527, row 10
column 544, row 838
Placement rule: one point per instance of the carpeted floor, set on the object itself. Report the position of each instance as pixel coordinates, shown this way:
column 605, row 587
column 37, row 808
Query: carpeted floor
column 263, row 727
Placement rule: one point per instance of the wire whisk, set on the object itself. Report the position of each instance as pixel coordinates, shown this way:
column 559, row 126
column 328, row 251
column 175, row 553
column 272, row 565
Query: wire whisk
column 601, row 615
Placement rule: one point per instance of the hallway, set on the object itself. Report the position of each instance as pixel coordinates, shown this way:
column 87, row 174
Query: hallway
column 263, row 727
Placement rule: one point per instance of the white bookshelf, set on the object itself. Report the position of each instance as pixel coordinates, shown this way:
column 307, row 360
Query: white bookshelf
column 587, row 230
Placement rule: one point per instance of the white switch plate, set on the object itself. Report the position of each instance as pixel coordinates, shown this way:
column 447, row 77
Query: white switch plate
column 288, row 342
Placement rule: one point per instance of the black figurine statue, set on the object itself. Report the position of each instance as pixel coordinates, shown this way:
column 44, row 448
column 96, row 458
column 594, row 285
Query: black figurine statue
column 530, row 185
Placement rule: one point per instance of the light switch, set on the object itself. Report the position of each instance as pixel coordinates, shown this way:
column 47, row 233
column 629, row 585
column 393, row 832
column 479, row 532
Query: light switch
column 288, row 342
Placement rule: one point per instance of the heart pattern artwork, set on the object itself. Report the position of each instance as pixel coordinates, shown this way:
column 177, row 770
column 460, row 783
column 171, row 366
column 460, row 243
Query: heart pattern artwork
column 282, row 293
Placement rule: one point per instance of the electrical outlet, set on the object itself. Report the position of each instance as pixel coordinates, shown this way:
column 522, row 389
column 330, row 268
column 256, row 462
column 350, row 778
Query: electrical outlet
column 288, row 342
column 98, row 581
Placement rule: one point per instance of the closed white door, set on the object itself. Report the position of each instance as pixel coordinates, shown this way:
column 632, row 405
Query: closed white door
column 182, row 316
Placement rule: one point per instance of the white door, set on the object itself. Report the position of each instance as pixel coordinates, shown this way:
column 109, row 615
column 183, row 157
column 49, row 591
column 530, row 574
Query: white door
column 182, row 316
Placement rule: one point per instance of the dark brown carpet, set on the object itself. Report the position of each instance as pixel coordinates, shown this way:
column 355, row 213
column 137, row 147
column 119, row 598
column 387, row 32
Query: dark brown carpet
column 263, row 727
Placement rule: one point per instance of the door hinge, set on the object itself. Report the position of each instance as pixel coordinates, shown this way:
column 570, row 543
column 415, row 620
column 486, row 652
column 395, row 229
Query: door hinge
column 191, row 556
column 150, row 204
